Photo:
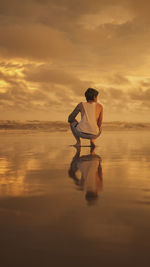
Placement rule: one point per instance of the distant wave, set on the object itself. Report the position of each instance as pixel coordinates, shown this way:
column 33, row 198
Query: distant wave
column 64, row 126
column 33, row 125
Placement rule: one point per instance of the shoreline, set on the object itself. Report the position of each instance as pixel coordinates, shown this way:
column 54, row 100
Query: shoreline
column 58, row 126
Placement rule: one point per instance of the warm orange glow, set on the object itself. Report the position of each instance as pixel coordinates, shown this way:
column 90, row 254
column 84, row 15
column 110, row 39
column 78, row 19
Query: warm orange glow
column 48, row 62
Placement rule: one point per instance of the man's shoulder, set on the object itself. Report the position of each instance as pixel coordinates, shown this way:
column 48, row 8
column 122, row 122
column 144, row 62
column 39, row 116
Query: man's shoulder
column 100, row 106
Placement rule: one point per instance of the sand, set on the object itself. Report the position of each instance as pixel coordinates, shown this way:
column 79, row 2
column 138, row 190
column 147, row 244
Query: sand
column 48, row 219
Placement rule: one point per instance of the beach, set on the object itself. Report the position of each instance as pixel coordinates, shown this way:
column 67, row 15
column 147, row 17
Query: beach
column 62, row 206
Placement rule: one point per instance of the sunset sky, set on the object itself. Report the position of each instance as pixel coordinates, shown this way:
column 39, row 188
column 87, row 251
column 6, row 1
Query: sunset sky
column 51, row 51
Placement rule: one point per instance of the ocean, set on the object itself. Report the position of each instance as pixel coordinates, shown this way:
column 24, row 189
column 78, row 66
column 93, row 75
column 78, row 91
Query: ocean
column 65, row 206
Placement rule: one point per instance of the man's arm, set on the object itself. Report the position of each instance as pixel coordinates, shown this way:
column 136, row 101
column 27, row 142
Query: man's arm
column 100, row 119
column 74, row 113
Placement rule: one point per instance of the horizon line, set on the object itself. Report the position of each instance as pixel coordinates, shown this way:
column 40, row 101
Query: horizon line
column 63, row 121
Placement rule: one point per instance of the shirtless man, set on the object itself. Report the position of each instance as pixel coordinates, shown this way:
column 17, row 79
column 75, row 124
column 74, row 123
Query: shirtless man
column 91, row 118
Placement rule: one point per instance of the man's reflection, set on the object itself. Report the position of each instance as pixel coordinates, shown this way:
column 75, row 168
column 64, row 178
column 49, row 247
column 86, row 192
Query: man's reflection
column 90, row 169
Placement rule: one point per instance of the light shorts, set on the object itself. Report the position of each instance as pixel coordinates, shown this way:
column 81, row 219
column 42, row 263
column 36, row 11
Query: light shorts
column 73, row 126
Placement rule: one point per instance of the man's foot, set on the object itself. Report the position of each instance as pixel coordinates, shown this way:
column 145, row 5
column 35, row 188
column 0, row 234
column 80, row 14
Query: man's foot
column 92, row 143
column 78, row 144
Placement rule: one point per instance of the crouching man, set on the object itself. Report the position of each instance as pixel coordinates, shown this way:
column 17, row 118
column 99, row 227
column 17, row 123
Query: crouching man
column 90, row 124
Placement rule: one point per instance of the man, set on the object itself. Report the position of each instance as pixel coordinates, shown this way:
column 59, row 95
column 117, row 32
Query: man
column 91, row 118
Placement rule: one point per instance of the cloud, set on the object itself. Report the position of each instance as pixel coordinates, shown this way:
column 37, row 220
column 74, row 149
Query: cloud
column 118, row 79
column 34, row 41
column 19, row 97
column 52, row 51
column 54, row 89
column 52, row 31
column 113, row 14
column 49, row 91
column 45, row 74
column 140, row 95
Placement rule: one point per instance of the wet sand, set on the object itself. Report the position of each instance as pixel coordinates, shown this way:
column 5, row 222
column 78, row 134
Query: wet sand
column 60, row 206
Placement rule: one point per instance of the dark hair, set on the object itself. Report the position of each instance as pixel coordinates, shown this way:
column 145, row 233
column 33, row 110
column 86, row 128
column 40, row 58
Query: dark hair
column 90, row 94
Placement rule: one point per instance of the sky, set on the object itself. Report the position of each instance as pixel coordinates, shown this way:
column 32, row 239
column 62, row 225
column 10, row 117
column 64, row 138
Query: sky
column 51, row 51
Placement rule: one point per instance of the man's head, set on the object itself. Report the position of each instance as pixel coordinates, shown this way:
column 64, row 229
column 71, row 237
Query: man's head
column 91, row 94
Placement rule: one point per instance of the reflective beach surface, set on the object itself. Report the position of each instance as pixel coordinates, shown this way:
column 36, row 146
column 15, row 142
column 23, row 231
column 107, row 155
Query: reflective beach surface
column 63, row 206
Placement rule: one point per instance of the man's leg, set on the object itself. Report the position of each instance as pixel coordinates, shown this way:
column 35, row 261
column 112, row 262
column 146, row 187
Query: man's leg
column 92, row 140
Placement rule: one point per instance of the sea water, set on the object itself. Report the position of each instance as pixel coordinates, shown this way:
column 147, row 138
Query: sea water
column 63, row 206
